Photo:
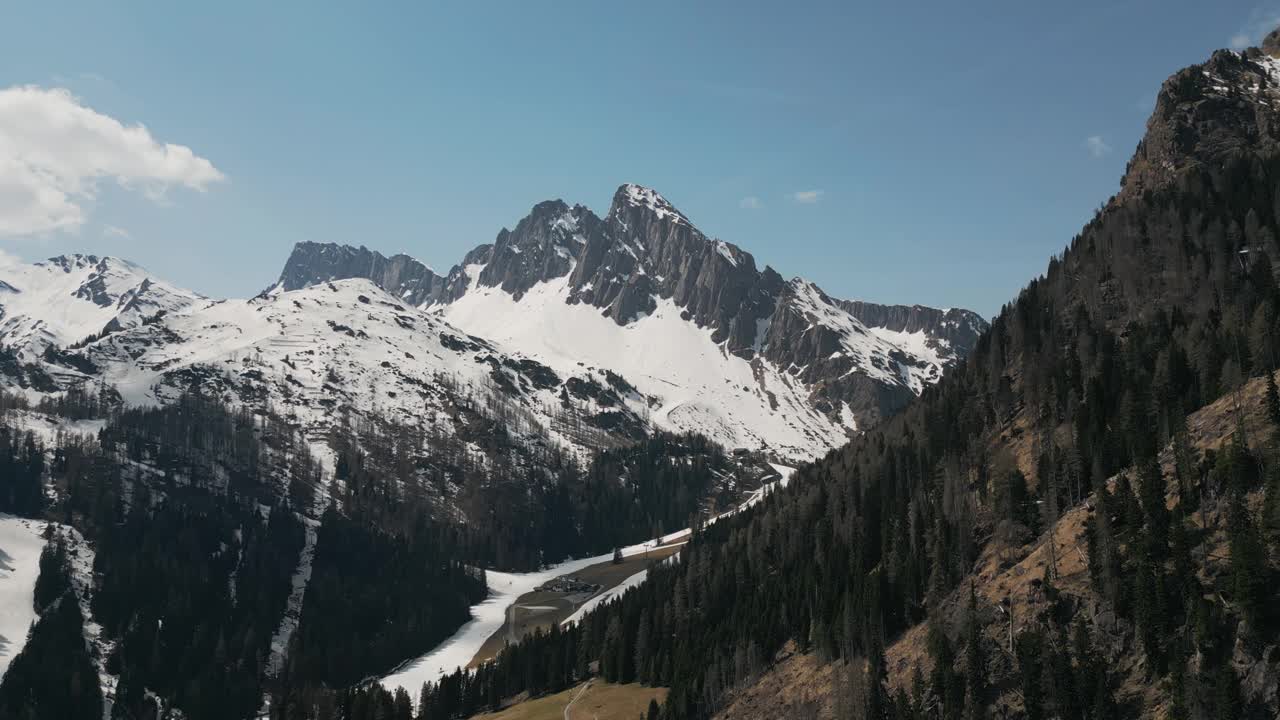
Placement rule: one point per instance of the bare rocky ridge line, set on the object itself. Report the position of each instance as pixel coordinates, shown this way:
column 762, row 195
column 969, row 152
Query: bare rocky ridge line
column 682, row 332
column 644, row 251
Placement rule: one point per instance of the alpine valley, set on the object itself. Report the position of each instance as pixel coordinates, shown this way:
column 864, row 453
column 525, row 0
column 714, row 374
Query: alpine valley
column 581, row 384
column 609, row 465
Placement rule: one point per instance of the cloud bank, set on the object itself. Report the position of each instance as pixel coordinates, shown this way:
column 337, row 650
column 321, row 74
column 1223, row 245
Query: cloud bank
column 54, row 151
column 807, row 197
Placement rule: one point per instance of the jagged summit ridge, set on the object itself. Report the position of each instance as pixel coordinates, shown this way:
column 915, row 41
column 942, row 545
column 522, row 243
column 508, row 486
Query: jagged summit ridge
column 857, row 361
column 589, row 329
column 311, row 263
column 639, row 196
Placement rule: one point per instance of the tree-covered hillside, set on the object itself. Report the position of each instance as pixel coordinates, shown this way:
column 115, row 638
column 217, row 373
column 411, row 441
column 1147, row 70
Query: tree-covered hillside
column 1075, row 402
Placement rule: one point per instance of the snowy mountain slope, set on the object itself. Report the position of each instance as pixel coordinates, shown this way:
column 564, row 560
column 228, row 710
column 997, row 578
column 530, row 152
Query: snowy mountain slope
column 691, row 383
column 570, row 330
column 315, row 353
column 939, row 335
column 20, row 545
column 66, row 299
column 812, row 369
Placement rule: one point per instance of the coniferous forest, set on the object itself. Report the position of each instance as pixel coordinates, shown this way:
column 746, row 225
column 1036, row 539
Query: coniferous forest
column 1080, row 521
column 1076, row 399
column 197, row 516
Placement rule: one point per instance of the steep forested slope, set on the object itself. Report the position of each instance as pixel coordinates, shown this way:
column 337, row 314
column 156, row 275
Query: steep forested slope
column 1081, row 520
column 218, row 565
column 1064, row 433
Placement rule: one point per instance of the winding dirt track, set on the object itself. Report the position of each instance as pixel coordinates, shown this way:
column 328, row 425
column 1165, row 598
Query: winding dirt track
column 575, row 699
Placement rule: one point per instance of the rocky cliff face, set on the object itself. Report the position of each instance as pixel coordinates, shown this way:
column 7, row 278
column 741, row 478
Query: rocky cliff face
column 858, row 361
column 543, row 246
column 313, row 263
column 1209, row 112
column 646, row 249
column 955, row 329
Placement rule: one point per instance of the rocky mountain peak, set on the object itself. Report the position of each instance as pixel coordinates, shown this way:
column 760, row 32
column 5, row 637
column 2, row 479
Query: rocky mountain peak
column 630, row 197
column 78, row 261
column 645, row 258
column 543, row 246
column 1271, row 43
column 313, row 263
column 1206, row 113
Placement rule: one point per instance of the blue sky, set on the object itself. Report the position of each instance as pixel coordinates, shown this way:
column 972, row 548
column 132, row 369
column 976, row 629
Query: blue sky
column 932, row 153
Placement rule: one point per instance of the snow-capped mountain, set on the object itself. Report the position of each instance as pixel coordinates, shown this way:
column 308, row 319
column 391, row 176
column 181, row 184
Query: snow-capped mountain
column 315, row 353
column 717, row 345
column 68, row 299
column 571, row 330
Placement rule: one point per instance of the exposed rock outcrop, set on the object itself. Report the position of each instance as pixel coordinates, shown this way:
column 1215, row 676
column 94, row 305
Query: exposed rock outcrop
column 870, row 358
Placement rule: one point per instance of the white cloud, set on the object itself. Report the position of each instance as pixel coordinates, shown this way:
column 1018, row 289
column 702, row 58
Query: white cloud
column 750, row 202
column 807, row 197
column 7, row 259
column 113, row 231
column 1261, row 21
column 1096, row 146
column 54, row 151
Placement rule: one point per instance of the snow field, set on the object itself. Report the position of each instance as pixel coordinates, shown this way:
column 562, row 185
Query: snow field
column 21, row 542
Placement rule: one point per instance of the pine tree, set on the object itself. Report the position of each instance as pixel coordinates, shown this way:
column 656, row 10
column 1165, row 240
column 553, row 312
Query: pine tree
column 54, row 579
column 1227, row 703
column 975, row 663
column 879, row 704
column 1249, row 572
column 1030, row 654
column 1151, row 488
column 1273, row 398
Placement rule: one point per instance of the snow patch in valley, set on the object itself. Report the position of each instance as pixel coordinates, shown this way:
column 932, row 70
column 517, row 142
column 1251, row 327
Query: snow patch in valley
column 608, row 596
column 293, row 609
column 21, row 541
column 784, row 472
column 505, row 588
column 486, row 618
column 82, row 556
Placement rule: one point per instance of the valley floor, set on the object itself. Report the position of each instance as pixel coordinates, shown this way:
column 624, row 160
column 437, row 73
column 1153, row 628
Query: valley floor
column 541, row 609
column 514, row 607
column 489, row 617
column 594, row 700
